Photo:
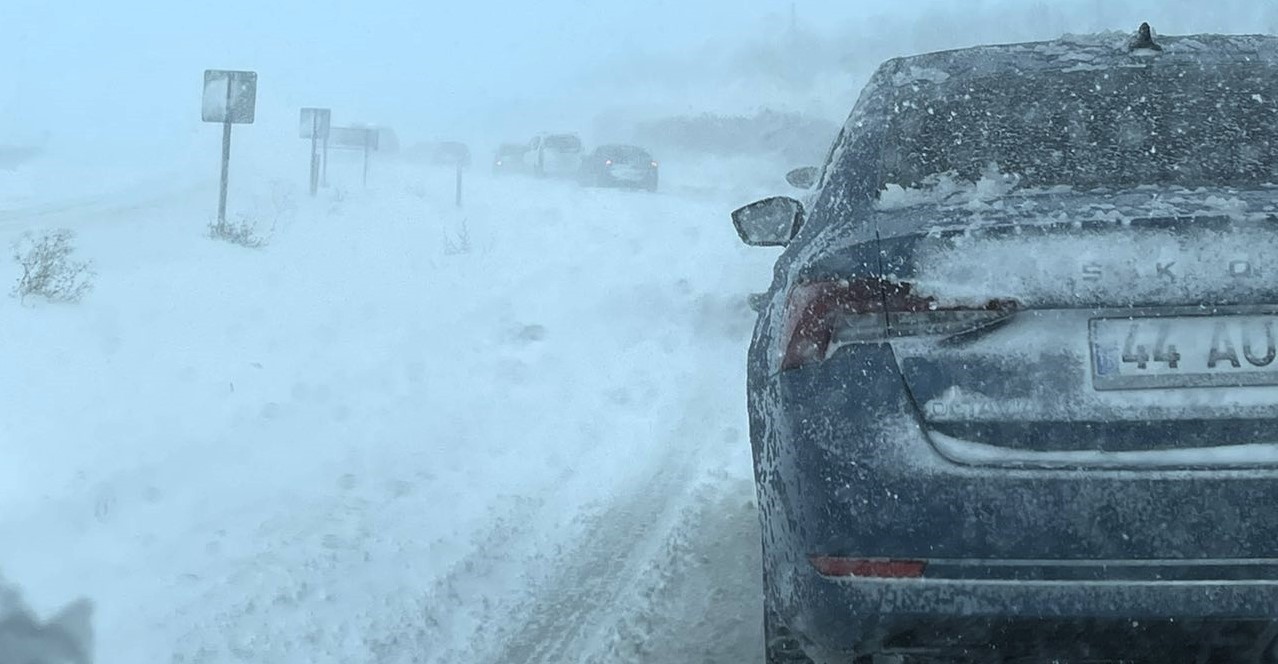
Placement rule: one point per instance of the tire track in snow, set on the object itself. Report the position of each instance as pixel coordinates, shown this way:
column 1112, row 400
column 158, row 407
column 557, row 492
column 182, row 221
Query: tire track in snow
column 525, row 595
column 668, row 569
column 674, row 554
column 567, row 610
column 447, row 622
column 700, row 600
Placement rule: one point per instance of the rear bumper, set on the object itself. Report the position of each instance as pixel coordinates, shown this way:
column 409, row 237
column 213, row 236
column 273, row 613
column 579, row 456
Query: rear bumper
column 606, row 179
column 839, row 616
column 845, row 468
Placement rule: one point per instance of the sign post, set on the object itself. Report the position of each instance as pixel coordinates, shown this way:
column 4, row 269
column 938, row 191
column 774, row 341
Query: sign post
column 226, row 163
column 230, row 97
column 315, row 161
column 314, row 124
column 367, row 149
column 324, row 165
column 459, row 183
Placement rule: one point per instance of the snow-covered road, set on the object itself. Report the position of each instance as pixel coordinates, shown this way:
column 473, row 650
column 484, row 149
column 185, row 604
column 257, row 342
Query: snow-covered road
column 401, row 432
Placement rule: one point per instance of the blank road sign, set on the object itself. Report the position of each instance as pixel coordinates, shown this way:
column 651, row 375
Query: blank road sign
column 229, row 96
column 314, row 122
column 358, row 138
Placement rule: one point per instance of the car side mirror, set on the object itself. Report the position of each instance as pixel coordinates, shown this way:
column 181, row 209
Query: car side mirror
column 771, row 222
column 803, row 178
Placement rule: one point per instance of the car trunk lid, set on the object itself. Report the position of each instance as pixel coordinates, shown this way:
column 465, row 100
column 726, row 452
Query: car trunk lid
column 1143, row 333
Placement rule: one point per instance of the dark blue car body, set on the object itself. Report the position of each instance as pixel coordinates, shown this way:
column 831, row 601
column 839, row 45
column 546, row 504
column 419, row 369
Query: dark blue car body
column 1010, row 390
column 620, row 167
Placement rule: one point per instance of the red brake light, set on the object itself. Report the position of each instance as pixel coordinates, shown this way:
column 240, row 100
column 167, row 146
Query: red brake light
column 811, row 311
column 821, row 316
column 877, row 568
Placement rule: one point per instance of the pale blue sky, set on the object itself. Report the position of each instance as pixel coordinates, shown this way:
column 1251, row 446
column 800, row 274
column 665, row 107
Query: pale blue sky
column 70, row 62
column 130, row 70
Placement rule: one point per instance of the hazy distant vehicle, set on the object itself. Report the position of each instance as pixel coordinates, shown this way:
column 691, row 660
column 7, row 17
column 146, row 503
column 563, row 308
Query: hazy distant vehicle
column 554, row 155
column 621, row 166
column 1002, row 406
column 509, row 159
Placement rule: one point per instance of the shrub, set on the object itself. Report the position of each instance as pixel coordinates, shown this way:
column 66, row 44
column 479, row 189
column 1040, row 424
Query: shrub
column 459, row 242
column 48, row 270
column 243, row 232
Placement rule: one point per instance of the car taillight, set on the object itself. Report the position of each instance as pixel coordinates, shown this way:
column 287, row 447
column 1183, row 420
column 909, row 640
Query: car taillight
column 874, row 568
column 822, row 316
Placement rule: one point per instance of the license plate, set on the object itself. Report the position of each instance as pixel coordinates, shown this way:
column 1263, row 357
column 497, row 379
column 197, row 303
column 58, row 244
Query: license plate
column 1184, row 351
column 627, row 173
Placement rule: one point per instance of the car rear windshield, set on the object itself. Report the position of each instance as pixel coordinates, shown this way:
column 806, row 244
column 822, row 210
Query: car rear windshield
column 563, row 143
column 624, row 153
column 1159, row 123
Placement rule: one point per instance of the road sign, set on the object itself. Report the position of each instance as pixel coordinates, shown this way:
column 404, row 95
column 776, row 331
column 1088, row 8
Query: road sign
column 315, row 122
column 354, row 138
column 230, row 96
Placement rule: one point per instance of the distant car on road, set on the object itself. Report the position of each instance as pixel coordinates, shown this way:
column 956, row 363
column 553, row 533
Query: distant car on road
column 509, row 158
column 554, row 155
column 623, row 166
column 1013, row 393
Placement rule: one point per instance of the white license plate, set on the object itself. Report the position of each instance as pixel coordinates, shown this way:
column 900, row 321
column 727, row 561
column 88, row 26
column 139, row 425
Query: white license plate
column 627, row 173
column 1184, row 351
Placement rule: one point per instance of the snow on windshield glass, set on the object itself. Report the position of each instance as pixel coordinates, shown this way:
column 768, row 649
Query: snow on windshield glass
column 1206, row 121
column 553, row 332
column 564, row 143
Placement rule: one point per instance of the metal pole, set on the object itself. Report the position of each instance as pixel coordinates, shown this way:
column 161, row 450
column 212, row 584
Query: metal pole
column 226, row 163
column 366, row 151
column 459, row 183
column 226, row 156
column 324, row 165
column 314, row 154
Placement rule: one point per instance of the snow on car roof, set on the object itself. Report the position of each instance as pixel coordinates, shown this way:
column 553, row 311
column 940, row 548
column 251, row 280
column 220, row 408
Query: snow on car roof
column 1078, row 53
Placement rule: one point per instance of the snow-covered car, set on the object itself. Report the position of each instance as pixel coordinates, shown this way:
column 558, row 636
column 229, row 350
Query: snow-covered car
column 554, row 155
column 509, row 158
column 1013, row 393
column 620, row 166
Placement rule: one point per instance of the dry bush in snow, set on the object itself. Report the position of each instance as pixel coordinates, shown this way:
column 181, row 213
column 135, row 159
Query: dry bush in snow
column 242, row 231
column 48, row 269
column 459, row 242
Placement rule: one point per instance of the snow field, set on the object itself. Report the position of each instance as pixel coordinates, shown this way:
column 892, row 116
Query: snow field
column 359, row 442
